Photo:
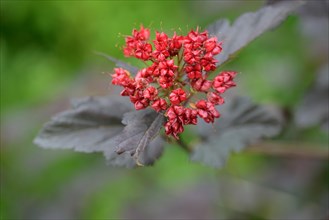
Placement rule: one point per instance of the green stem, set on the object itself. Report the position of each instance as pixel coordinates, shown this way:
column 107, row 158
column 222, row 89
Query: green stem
column 184, row 145
column 279, row 149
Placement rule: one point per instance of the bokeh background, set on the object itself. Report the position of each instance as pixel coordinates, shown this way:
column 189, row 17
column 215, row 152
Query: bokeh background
column 47, row 58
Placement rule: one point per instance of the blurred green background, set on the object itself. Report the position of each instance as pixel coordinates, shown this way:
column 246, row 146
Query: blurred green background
column 47, row 58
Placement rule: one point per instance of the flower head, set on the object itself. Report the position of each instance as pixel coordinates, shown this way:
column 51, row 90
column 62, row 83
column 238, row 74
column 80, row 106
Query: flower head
column 180, row 67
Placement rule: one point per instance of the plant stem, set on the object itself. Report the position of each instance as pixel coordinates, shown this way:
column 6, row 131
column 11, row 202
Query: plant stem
column 279, row 149
column 186, row 147
column 289, row 149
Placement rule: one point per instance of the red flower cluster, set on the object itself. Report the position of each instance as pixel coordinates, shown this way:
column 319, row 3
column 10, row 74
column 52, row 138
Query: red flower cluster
column 179, row 68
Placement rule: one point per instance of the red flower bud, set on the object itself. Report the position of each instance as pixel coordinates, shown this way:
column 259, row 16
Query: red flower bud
column 215, row 98
column 207, row 111
column 159, row 104
column 121, row 77
column 177, row 96
column 150, row 93
column 224, row 81
column 201, row 84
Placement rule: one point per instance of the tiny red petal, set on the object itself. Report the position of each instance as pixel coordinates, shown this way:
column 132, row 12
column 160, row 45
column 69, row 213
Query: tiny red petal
column 177, row 96
column 224, row 81
column 215, row 98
